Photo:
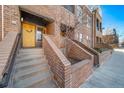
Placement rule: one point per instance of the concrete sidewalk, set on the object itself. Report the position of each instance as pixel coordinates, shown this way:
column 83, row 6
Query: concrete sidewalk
column 110, row 74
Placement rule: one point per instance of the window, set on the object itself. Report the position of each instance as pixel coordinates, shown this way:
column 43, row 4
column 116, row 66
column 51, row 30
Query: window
column 79, row 14
column 100, row 40
column 100, row 26
column 97, row 40
column 80, row 37
column 89, row 21
column 39, row 34
column 70, row 8
column 63, row 29
column 97, row 24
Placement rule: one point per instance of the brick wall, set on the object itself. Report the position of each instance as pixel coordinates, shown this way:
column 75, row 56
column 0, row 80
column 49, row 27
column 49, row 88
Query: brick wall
column 75, row 51
column 56, row 12
column 84, row 29
column 11, row 18
column 65, row 74
column 59, row 65
column 90, row 50
column 80, row 72
column 82, row 69
column 0, row 22
column 6, row 48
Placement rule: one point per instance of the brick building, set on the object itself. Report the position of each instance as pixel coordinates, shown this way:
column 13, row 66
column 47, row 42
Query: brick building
column 97, row 27
column 83, row 30
column 47, row 27
column 111, row 38
column 51, row 16
column 83, row 25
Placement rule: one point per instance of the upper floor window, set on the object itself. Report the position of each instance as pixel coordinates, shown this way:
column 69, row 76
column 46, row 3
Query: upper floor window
column 63, row 29
column 89, row 21
column 100, row 26
column 80, row 37
column 79, row 14
column 97, row 24
column 69, row 7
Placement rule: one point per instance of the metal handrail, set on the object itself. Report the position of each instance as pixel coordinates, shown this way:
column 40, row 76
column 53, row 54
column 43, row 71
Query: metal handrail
column 8, row 70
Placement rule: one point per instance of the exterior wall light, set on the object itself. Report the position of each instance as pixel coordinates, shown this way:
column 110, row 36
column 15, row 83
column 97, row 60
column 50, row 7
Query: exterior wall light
column 21, row 19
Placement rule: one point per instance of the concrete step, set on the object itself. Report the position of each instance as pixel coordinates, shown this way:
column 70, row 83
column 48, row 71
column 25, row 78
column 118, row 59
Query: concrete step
column 26, row 73
column 28, row 59
column 34, row 80
column 18, row 61
column 30, row 64
column 30, row 50
column 29, row 54
column 48, row 84
column 31, row 69
column 33, row 53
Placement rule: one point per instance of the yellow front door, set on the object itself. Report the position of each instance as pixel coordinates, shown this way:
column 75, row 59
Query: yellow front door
column 28, row 39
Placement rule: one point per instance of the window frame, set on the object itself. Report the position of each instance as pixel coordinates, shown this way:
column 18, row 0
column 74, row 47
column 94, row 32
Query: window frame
column 69, row 9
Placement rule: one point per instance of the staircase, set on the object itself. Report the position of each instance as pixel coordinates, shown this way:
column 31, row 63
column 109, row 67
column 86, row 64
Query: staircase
column 31, row 70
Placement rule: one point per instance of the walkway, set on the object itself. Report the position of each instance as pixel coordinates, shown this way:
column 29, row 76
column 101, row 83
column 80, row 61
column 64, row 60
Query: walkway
column 110, row 74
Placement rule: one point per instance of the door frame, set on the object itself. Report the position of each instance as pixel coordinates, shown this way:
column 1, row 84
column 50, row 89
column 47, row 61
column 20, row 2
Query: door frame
column 43, row 32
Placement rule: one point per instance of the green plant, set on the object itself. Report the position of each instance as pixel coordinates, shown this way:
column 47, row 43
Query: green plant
column 98, row 49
